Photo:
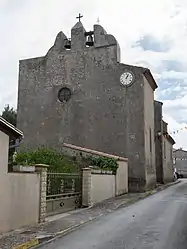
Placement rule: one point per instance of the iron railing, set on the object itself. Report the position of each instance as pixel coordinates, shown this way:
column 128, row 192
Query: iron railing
column 60, row 184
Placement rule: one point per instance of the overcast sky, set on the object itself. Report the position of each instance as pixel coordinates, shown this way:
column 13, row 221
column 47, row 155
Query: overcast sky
column 151, row 33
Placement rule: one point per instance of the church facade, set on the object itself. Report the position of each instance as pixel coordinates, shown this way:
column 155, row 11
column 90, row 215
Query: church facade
column 80, row 93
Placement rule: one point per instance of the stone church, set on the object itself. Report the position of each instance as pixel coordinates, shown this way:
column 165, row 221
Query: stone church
column 80, row 93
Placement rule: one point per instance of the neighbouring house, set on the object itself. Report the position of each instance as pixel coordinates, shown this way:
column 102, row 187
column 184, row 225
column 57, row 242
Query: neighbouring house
column 168, row 142
column 163, row 147
column 15, row 135
column 180, row 161
column 80, row 93
column 19, row 192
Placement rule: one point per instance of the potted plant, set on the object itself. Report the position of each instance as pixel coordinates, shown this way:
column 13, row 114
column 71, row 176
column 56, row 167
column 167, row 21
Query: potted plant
column 24, row 167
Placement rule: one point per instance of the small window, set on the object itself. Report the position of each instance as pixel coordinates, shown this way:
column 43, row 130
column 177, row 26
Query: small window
column 150, row 140
column 164, row 150
column 171, row 154
column 64, row 94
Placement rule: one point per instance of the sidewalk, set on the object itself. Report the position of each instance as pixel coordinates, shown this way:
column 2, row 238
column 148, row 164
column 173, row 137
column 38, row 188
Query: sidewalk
column 61, row 224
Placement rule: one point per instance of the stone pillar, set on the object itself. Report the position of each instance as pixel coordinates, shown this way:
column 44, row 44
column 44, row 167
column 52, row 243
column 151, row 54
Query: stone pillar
column 86, row 187
column 42, row 170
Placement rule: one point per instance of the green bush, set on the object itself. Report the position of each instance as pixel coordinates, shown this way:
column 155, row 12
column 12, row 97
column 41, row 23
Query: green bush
column 60, row 163
column 104, row 163
column 56, row 160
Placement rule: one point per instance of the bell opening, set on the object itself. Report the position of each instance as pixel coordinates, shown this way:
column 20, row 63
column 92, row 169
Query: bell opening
column 67, row 44
column 90, row 41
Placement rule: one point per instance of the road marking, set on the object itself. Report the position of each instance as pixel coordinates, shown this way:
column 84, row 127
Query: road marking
column 27, row 245
column 175, row 200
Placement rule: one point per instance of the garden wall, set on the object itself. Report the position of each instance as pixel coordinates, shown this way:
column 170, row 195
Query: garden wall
column 102, row 186
column 98, row 185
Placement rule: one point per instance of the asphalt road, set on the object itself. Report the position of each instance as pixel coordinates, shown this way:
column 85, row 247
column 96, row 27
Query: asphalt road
column 157, row 222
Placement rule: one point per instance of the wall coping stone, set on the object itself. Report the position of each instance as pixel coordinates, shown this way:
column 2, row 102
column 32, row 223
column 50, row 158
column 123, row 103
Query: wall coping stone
column 41, row 165
column 87, row 168
column 101, row 172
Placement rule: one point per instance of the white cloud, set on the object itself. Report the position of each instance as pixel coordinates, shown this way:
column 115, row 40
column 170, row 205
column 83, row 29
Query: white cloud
column 173, row 75
column 30, row 27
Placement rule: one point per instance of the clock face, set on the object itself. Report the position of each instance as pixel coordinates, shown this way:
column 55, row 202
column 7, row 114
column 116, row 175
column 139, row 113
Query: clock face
column 126, row 78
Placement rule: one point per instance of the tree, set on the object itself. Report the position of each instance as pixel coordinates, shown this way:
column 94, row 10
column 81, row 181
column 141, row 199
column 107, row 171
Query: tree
column 10, row 114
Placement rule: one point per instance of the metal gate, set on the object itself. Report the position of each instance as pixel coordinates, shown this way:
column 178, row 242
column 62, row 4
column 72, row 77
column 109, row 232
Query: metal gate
column 63, row 192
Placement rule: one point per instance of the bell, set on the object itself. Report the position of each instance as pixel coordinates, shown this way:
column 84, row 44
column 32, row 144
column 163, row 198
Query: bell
column 67, row 44
column 90, row 41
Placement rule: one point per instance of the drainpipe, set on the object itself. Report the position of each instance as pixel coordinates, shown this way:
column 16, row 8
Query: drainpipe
column 17, row 143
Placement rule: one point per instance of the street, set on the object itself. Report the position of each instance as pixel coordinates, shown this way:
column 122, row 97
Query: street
column 158, row 222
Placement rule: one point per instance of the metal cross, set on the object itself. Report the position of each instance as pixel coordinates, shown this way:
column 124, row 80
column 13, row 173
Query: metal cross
column 79, row 17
